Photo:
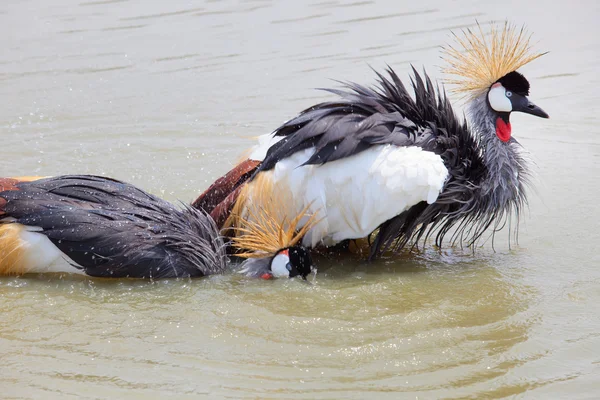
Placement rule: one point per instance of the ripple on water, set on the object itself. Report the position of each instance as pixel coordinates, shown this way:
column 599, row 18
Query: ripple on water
column 420, row 323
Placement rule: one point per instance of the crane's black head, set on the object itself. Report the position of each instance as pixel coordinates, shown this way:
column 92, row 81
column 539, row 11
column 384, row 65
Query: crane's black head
column 516, row 83
column 291, row 262
column 509, row 94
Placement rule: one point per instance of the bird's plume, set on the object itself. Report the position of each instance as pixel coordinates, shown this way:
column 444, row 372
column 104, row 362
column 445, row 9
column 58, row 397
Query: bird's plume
column 478, row 60
column 258, row 220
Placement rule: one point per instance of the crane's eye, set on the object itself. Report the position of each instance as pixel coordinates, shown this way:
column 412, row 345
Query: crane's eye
column 288, row 266
column 508, row 93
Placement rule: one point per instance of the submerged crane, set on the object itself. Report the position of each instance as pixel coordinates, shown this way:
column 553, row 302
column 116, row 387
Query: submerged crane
column 102, row 227
column 379, row 162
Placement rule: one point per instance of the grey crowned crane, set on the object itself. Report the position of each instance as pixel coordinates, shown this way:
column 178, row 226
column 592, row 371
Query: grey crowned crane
column 379, row 163
column 106, row 228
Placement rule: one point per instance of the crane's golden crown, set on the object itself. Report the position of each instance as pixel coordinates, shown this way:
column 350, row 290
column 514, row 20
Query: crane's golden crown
column 478, row 60
column 257, row 220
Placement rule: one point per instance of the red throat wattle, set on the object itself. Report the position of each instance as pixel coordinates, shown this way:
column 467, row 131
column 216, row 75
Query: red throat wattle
column 503, row 130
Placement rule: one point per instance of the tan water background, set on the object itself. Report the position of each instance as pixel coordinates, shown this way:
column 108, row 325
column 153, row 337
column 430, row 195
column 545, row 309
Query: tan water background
column 167, row 95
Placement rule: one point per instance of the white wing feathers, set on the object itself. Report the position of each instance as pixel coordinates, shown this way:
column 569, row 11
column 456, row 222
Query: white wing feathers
column 354, row 195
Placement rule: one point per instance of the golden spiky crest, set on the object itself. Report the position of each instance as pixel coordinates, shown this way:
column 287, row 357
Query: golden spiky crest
column 257, row 220
column 478, row 61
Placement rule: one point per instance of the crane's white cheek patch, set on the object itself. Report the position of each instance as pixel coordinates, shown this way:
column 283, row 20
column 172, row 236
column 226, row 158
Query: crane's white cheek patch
column 279, row 265
column 498, row 100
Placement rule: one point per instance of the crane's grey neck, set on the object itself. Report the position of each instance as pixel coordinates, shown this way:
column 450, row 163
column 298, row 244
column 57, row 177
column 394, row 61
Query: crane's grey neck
column 256, row 267
column 502, row 190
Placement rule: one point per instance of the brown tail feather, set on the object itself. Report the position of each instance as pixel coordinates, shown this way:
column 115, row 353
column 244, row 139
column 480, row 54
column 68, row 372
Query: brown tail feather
column 8, row 184
column 222, row 211
column 11, row 184
column 221, row 195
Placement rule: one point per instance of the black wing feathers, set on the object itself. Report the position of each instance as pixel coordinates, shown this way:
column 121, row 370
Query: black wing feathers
column 366, row 117
column 111, row 228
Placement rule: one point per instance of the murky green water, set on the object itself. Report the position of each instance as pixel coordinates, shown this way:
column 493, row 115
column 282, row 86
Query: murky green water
column 168, row 95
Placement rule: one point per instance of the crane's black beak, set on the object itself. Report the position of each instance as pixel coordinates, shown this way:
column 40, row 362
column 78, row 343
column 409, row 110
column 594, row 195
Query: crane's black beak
column 524, row 105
